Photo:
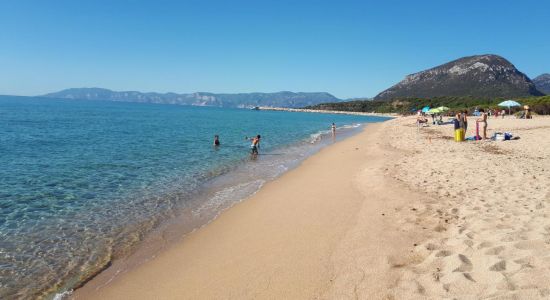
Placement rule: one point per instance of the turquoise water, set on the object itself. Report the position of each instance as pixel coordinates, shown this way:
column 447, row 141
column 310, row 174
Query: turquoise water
column 81, row 182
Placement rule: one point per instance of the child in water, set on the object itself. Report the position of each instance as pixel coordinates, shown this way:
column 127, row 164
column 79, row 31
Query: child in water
column 216, row 140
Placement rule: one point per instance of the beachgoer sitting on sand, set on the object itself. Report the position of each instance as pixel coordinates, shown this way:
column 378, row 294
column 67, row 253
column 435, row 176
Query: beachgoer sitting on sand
column 420, row 120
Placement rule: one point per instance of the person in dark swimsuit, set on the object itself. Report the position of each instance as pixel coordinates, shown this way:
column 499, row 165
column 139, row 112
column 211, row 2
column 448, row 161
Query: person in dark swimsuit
column 216, row 140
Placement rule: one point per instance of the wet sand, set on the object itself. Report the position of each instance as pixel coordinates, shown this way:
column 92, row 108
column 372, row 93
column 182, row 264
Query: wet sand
column 393, row 212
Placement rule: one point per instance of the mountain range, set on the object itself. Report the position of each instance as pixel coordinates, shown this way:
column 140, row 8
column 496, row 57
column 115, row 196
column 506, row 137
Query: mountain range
column 473, row 76
column 542, row 83
column 279, row 99
column 478, row 76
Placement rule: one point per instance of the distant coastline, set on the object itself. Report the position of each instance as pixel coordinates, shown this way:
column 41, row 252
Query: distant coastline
column 321, row 111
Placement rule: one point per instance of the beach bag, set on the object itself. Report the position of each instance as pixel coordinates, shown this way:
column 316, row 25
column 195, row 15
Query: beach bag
column 459, row 135
column 507, row 136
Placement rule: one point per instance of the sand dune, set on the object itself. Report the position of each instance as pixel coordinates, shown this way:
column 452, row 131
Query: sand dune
column 395, row 212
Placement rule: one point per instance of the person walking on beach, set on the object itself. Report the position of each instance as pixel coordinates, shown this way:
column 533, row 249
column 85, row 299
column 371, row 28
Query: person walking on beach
column 333, row 128
column 483, row 121
column 216, row 140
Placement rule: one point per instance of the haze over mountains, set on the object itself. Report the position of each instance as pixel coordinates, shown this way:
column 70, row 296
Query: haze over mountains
column 242, row 100
column 475, row 76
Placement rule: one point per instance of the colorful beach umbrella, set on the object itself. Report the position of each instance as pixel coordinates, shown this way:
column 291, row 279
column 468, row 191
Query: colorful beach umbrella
column 425, row 109
column 509, row 104
column 443, row 108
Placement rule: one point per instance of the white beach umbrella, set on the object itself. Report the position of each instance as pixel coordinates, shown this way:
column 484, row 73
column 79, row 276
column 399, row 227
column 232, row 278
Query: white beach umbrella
column 509, row 104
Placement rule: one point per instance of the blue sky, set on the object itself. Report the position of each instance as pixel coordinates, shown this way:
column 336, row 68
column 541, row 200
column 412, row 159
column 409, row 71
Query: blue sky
column 347, row 48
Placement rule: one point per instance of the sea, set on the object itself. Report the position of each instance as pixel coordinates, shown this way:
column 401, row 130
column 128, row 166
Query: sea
column 84, row 183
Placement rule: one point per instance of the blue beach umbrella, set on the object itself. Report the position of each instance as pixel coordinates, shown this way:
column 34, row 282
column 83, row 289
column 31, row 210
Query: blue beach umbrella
column 509, row 104
column 425, row 109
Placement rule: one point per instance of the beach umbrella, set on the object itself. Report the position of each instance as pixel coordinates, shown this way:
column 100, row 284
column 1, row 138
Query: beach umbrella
column 509, row 104
column 443, row 108
column 425, row 109
column 434, row 111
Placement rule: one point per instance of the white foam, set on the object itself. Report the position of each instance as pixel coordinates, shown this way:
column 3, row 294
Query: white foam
column 63, row 296
column 229, row 195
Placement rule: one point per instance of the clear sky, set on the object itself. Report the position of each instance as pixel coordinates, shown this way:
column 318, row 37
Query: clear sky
column 347, row 48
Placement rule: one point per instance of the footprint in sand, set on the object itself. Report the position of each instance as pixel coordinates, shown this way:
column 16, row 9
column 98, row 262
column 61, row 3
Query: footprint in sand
column 469, row 277
column 431, row 247
column 495, row 250
column 484, row 245
column 525, row 263
column 440, row 228
column 499, row 266
column 443, row 253
column 466, row 265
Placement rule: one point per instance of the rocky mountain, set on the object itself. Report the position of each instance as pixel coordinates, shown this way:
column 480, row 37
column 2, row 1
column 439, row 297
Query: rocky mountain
column 542, row 82
column 279, row 99
column 475, row 76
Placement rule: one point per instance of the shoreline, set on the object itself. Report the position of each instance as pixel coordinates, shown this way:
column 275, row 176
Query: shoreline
column 171, row 232
column 298, row 252
column 245, row 214
column 394, row 212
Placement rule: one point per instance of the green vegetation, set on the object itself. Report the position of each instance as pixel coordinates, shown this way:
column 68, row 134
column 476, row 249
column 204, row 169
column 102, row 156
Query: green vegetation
column 539, row 105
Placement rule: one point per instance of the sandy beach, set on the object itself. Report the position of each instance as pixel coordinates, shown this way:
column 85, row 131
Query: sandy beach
column 394, row 212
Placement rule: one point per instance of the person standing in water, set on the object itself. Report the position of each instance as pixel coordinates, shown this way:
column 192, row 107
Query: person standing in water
column 255, row 144
column 333, row 130
column 216, row 140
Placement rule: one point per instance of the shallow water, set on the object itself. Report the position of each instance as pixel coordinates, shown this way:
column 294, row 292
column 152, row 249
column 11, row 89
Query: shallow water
column 81, row 182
